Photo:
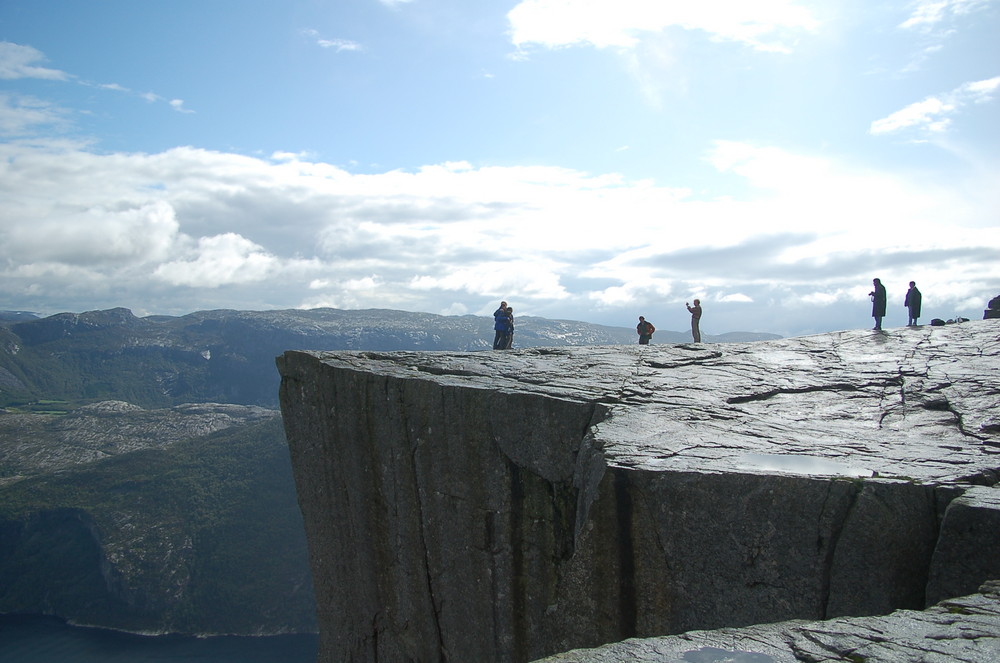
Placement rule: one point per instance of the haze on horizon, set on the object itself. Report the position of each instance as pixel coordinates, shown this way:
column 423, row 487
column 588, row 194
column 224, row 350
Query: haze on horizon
column 591, row 161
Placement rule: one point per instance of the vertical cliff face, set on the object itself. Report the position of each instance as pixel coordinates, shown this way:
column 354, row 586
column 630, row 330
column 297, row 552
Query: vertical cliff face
column 507, row 506
column 439, row 516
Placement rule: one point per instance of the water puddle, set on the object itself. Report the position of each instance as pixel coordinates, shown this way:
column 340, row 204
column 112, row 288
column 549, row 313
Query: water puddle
column 716, row 655
column 795, row 464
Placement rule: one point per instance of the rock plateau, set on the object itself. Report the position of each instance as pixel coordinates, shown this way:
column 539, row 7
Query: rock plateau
column 506, row 506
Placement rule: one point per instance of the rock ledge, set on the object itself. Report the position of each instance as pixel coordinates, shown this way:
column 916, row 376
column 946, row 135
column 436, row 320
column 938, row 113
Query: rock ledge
column 508, row 506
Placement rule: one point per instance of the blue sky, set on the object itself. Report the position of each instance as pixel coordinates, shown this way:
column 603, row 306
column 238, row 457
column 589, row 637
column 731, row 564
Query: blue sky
column 584, row 159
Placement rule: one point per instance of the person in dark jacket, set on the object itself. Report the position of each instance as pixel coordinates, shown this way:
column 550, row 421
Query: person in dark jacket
column 878, row 303
column 912, row 304
column 645, row 330
column 695, row 319
column 509, row 339
column 500, row 326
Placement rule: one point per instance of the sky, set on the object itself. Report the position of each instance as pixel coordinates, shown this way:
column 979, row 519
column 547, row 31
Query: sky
column 591, row 160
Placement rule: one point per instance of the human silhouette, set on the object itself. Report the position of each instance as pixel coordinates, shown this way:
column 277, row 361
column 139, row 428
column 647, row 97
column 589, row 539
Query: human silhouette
column 695, row 319
column 878, row 303
column 645, row 330
column 509, row 339
column 912, row 304
column 500, row 326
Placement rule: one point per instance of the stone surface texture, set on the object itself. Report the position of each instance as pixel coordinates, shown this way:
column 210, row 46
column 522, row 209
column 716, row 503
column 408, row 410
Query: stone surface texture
column 508, row 506
column 959, row 630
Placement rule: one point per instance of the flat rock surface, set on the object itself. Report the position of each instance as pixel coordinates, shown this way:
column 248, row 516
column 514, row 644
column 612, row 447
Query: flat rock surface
column 961, row 630
column 910, row 403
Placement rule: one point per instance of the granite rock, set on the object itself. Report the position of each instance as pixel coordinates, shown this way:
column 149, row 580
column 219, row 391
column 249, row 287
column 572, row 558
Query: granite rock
column 959, row 630
column 508, row 506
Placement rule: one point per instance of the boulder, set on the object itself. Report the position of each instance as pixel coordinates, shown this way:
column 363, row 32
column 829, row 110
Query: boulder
column 992, row 309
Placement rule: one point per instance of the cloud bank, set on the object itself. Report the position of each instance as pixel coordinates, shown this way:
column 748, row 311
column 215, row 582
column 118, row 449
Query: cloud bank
column 190, row 228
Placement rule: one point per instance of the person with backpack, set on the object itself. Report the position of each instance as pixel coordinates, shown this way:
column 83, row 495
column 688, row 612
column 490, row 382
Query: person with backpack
column 645, row 330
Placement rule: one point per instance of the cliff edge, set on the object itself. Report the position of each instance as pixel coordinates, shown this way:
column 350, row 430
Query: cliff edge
column 509, row 506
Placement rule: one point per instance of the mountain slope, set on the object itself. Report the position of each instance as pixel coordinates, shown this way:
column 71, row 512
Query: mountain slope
column 201, row 536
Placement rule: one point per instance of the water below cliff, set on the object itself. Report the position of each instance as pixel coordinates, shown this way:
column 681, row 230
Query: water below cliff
column 34, row 639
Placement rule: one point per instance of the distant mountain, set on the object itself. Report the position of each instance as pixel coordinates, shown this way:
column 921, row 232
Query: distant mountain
column 228, row 356
column 181, row 520
column 16, row 316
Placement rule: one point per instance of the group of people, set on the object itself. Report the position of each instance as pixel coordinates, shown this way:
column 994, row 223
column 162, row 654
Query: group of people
column 911, row 302
column 503, row 323
column 645, row 328
column 504, row 317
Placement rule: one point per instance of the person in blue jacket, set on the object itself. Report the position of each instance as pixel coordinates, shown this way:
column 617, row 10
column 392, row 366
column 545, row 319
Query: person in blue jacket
column 500, row 326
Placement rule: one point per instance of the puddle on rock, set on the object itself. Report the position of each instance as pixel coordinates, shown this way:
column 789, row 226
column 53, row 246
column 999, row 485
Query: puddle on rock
column 716, row 655
column 795, row 464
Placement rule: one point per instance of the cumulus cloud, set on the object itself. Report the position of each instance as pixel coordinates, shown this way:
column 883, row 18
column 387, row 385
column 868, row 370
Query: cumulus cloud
column 18, row 61
column 219, row 260
column 283, row 231
column 934, row 114
column 766, row 25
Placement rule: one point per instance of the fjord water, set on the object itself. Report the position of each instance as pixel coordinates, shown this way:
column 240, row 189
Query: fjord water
column 34, row 639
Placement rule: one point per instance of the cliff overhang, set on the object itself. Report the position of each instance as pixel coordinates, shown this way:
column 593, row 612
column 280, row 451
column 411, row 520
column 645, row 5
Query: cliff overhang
column 507, row 506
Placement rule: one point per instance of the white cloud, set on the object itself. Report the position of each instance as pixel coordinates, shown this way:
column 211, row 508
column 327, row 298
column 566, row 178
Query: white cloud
column 21, row 114
column 529, row 278
column 933, row 114
column 338, row 45
column 220, row 260
column 928, row 14
column 178, row 105
column 282, row 232
column 767, row 25
column 17, row 61
column 97, row 236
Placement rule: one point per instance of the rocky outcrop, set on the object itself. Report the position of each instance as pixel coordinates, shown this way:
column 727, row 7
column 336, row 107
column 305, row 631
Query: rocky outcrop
column 992, row 309
column 960, row 630
column 508, row 506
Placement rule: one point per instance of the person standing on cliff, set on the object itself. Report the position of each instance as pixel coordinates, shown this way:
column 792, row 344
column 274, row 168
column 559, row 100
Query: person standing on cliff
column 912, row 304
column 878, row 303
column 500, row 326
column 645, row 330
column 509, row 339
column 695, row 319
